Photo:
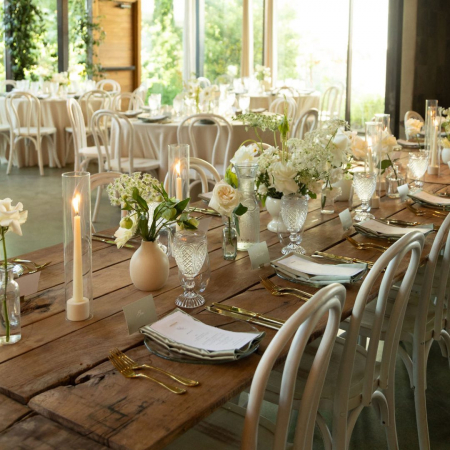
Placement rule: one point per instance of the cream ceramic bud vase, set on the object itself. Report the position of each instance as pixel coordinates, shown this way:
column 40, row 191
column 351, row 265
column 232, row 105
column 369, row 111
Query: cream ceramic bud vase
column 149, row 267
column 276, row 225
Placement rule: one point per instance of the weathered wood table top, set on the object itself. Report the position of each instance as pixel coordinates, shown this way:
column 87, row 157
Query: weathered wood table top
column 60, row 371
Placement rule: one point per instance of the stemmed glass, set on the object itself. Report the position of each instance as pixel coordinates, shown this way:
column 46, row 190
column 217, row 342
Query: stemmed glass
column 189, row 250
column 178, row 103
column 294, row 209
column 364, row 184
column 244, row 103
column 418, row 164
column 154, row 102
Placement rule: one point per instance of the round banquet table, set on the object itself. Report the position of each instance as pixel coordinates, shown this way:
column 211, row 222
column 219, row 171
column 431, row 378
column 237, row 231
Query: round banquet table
column 151, row 140
column 304, row 101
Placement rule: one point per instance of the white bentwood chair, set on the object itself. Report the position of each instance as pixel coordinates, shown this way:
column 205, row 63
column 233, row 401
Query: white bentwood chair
column 330, row 105
column 279, row 104
column 203, row 82
column 424, row 322
column 413, row 115
column 102, row 84
column 223, row 127
column 28, row 126
column 5, row 83
column 259, row 432
column 307, row 122
column 133, row 101
column 355, row 378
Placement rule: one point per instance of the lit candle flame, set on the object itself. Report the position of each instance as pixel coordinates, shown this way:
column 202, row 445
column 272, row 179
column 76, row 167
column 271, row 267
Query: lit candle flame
column 75, row 203
column 177, row 168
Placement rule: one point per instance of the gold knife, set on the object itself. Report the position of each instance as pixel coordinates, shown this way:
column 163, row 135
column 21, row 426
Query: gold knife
column 241, row 317
column 107, row 241
column 341, row 258
column 246, row 312
column 210, row 212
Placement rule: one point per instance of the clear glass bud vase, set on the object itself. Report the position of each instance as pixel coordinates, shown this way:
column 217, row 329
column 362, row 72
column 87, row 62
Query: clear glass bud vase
column 248, row 222
column 229, row 240
column 10, row 332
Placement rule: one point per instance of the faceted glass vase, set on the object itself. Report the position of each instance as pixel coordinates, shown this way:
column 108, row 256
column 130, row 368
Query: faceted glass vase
column 229, row 243
column 10, row 331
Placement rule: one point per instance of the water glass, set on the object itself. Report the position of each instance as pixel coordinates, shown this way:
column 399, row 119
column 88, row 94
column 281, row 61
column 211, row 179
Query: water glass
column 154, row 102
column 178, row 104
column 418, row 164
column 54, row 87
column 294, row 209
column 201, row 280
column 190, row 250
column 244, row 103
column 364, row 184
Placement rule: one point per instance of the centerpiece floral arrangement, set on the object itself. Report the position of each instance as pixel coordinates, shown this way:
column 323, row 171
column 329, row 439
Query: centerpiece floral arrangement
column 413, row 128
column 262, row 73
column 201, row 96
column 149, row 208
column 446, row 125
column 11, row 217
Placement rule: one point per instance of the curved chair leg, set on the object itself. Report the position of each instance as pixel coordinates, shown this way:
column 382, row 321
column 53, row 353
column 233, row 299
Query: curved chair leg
column 97, row 203
column 39, row 152
column 69, row 138
column 52, row 146
column 11, row 156
column 27, row 152
column 391, row 426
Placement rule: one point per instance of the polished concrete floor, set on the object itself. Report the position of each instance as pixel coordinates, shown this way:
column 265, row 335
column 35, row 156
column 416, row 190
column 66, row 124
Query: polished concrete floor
column 42, row 197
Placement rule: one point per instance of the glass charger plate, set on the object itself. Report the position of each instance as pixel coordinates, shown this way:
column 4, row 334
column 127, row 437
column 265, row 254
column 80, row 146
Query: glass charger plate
column 159, row 350
column 443, row 208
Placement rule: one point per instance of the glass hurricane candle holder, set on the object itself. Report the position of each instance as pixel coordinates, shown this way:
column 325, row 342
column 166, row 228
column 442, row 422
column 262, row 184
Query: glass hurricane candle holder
column 432, row 127
column 178, row 175
column 385, row 120
column 77, row 245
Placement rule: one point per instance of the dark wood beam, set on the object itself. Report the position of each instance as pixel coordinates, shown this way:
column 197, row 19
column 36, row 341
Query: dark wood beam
column 62, row 7
column 348, row 87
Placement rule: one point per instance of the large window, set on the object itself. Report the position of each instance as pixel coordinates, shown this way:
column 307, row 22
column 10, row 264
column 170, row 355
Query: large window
column 48, row 46
column 258, row 31
column 162, row 47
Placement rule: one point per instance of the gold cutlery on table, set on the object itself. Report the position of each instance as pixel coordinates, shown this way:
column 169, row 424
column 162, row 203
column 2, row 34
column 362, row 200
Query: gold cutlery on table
column 207, row 211
column 130, row 373
column 423, row 212
column 338, row 258
column 239, row 316
column 366, row 245
column 106, row 236
column 246, row 312
column 110, row 242
column 131, row 364
column 271, row 286
column 38, row 268
column 403, row 223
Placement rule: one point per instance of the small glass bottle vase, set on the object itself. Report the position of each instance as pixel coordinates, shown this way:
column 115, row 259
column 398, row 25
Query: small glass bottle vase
column 10, row 332
column 248, row 222
column 329, row 194
column 394, row 180
column 229, row 241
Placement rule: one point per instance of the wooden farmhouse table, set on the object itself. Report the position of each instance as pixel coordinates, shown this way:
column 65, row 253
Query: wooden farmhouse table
column 57, row 387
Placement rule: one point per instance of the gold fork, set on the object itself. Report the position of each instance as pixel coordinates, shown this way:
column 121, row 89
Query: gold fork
column 116, row 353
column 39, row 267
column 423, row 212
column 277, row 291
column 130, row 373
column 272, row 285
column 366, row 245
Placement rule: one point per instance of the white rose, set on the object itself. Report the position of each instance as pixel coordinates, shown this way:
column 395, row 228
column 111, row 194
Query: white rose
column 335, row 175
column 283, row 174
column 262, row 190
column 413, row 127
column 339, row 149
column 224, row 199
column 358, row 145
column 124, row 234
column 316, row 187
column 246, row 153
column 12, row 217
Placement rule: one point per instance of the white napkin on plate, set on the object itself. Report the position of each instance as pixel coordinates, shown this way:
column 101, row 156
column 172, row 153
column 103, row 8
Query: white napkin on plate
column 377, row 229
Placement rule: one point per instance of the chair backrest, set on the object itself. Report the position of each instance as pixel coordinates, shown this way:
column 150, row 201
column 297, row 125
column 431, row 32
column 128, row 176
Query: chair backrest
column 102, row 84
column 331, row 103
column 30, row 113
column 203, row 82
column 300, row 325
column 287, row 90
column 308, row 121
column 132, row 100
column 121, row 133
column 413, row 115
column 4, row 84
column 223, row 128
column 76, row 118
column 141, row 92
column 92, row 101
column 279, row 104
column 103, row 178
column 396, row 256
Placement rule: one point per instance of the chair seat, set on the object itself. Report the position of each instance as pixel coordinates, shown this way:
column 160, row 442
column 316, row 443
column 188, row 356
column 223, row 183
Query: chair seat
column 70, row 130
column 91, row 152
column 329, row 388
column 32, row 131
column 4, row 127
column 222, row 430
column 138, row 164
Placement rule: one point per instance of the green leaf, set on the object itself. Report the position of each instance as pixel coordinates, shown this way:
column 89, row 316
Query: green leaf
column 236, row 224
column 240, row 210
column 181, row 206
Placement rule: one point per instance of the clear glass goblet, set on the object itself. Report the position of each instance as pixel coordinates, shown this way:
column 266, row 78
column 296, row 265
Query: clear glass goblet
column 294, row 209
column 189, row 250
column 154, row 102
column 244, row 103
column 201, row 280
column 364, row 184
column 418, row 165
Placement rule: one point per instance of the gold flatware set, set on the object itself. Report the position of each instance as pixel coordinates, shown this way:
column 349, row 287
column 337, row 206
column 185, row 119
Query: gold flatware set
column 423, row 212
column 30, row 266
column 127, row 367
column 281, row 290
column 366, row 245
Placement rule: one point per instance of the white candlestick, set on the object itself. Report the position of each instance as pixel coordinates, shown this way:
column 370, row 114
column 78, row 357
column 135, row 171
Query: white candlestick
column 179, row 190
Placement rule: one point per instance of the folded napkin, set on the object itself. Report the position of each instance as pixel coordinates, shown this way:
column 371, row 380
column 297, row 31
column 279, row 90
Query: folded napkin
column 375, row 229
column 430, row 199
column 181, row 333
column 305, row 270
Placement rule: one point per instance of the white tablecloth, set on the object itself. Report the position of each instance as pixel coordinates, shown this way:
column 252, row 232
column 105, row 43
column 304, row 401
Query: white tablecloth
column 151, row 140
column 304, row 102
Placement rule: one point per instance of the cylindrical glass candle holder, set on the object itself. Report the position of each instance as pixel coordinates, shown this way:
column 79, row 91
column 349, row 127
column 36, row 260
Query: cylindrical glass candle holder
column 432, row 127
column 178, row 175
column 77, row 245
column 385, row 120
column 374, row 140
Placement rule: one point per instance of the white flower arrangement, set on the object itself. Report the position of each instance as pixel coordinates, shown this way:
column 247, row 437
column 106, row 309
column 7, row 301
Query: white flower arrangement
column 201, row 96
column 262, row 73
column 413, row 128
column 61, row 77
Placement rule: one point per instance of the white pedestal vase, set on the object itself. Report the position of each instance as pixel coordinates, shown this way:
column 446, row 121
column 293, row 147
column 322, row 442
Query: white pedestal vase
column 149, row 267
column 276, row 225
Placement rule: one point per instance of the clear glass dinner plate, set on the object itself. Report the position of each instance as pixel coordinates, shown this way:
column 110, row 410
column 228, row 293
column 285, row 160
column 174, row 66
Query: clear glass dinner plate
column 238, row 326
